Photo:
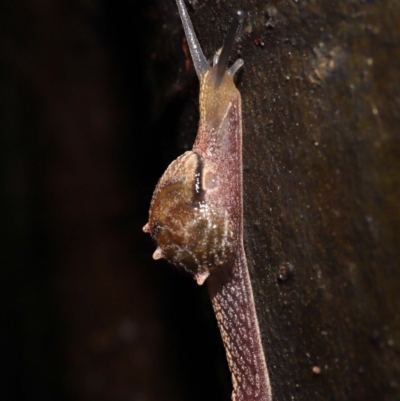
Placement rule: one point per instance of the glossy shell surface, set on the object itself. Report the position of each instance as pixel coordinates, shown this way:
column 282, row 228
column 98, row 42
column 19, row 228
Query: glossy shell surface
column 189, row 231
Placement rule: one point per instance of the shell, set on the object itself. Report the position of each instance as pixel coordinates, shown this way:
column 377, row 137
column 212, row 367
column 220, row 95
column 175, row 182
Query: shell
column 191, row 231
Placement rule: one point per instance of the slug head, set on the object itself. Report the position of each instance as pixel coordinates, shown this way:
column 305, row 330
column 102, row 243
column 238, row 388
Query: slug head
column 190, row 231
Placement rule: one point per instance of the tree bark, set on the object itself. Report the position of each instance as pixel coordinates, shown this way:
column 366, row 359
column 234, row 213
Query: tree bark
column 321, row 110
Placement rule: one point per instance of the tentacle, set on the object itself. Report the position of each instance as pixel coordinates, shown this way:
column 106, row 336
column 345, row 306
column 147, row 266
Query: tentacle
column 228, row 45
column 199, row 61
column 216, row 57
column 235, row 67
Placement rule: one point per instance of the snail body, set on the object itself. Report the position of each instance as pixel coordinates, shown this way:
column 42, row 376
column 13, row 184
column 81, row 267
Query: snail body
column 193, row 214
column 196, row 215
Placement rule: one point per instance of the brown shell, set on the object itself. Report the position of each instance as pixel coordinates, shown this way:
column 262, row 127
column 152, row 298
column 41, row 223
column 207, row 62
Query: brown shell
column 191, row 233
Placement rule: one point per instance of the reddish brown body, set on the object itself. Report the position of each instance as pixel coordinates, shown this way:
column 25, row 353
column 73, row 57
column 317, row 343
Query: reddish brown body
column 196, row 219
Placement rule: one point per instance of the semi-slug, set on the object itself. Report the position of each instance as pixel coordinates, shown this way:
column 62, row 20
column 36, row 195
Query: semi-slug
column 196, row 215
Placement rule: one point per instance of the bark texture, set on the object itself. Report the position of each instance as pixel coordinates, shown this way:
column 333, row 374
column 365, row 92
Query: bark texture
column 321, row 111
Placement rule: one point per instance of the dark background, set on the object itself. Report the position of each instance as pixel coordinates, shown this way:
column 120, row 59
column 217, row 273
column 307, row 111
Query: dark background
column 97, row 97
column 88, row 124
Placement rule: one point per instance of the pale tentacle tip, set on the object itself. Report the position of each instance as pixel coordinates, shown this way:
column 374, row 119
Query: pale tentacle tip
column 158, row 254
column 146, row 228
column 235, row 67
column 201, row 277
column 240, row 14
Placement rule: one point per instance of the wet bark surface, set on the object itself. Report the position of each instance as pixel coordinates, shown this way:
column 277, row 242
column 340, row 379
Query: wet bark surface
column 321, row 112
column 97, row 99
